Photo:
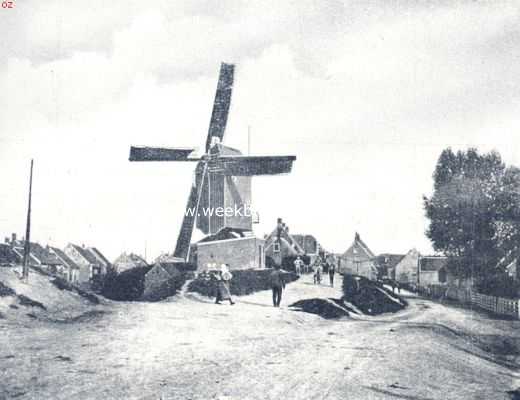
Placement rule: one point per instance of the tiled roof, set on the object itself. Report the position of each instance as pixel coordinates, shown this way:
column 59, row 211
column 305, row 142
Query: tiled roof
column 7, row 255
column 87, row 255
column 359, row 245
column 65, row 258
column 387, row 260
column 100, row 255
column 432, row 263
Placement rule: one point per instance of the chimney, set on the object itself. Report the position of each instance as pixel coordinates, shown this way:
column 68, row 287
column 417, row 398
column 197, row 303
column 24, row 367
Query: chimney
column 6, row 240
column 13, row 237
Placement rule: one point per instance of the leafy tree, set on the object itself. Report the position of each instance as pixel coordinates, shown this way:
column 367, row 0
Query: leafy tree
column 464, row 209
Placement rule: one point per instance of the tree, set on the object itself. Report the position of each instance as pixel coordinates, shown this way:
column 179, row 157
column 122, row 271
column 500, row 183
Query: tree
column 464, row 209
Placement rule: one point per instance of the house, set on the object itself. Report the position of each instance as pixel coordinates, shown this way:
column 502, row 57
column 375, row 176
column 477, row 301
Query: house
column 406, row 270
column 280, row 245
column 358, row 260
column 161, row 281
column 239, row 248
column 432, row 270
column 309, row 244
column 105, row 265
column 386, row 263
column 89, row 265
column 39, row 256
column 7, row 254
column 70, row 270
column 127, row 261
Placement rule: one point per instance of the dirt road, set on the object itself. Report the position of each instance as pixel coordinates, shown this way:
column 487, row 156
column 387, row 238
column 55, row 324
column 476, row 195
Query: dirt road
column 190, row 348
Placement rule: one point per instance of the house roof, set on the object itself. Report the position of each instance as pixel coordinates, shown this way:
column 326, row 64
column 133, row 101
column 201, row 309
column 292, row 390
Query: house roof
column 359, row 246
column 171, row 268
column 388, row 260
column 87, row 255
column 433, row 263
column 303, row 239
column 7, row 255
column 67, row 261
column 99, row 255
column 130, row 258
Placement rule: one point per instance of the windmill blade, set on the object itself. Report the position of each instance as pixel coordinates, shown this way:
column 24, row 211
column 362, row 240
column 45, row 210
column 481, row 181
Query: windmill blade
column 182, row 249
column 219, row 116
column 143, row 153
column 255, row 165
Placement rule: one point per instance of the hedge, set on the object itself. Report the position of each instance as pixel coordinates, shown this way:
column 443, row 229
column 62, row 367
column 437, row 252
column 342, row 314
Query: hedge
column 244, row 282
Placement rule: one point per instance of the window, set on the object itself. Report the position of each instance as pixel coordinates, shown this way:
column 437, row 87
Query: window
column 276, row 247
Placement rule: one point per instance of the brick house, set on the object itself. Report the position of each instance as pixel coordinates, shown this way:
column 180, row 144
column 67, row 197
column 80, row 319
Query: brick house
column 407, row 269
column 105, row 265
column 89, row 265
column 286, row 247
column 386, row 263
column 161, row 280
column 309, row 244
column 39, row 256
column 358, row 260
column 70, row 270
column 236, row 247
column 433, row 270
column 128, row 261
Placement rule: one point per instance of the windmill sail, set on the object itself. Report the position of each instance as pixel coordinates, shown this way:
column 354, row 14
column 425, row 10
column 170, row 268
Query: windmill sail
column 27, row 244
column 219, row 116
column 182, row 249
column 160, row 154
column 256, row 165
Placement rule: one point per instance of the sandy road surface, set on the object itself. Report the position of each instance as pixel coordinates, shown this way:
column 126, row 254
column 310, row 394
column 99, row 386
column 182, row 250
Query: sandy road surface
column 192, row 349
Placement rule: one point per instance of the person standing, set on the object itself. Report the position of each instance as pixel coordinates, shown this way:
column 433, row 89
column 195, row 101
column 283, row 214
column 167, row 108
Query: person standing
column 223, row 282
column 277, row 285
column 298, row 265
column 332, row 271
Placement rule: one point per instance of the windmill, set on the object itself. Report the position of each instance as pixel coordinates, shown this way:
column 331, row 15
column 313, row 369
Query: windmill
column 222, row 174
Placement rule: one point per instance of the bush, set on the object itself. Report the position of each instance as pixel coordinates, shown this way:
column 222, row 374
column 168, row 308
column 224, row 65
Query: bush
column 244, row 282
column 500, row 285
column 126, row 286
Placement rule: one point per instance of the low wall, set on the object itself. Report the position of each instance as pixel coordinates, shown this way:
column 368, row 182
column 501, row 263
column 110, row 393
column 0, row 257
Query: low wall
column 497, row 305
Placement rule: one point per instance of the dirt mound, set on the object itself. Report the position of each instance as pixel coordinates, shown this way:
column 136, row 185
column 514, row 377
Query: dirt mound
column 325, row 308
column 370, row 297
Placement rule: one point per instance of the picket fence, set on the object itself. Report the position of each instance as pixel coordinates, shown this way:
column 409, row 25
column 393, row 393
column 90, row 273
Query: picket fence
column 497, row 305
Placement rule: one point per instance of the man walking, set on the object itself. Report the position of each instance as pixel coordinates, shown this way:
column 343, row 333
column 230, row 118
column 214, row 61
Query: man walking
column 277, row 285
column 332, row 271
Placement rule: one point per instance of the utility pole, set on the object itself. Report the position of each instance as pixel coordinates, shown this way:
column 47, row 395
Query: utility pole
column 27, row 244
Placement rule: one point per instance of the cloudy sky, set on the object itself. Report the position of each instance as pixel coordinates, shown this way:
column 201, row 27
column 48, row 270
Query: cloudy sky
column 366, row 94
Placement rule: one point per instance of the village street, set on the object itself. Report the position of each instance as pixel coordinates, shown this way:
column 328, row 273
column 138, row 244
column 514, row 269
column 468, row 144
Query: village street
column 189, row 348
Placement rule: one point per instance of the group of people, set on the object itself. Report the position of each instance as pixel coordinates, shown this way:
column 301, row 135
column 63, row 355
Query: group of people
column 317, row 269
column 277, row 281
column 223, row 278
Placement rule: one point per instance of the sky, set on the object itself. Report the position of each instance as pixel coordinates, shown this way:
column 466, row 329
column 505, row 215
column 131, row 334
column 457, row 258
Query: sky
column 366, row 94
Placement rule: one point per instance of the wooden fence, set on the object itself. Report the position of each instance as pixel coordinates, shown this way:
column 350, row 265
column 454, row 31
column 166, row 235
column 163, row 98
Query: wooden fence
column 497, row 305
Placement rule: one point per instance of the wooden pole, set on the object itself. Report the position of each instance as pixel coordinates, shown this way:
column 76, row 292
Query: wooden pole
column 27, row 244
